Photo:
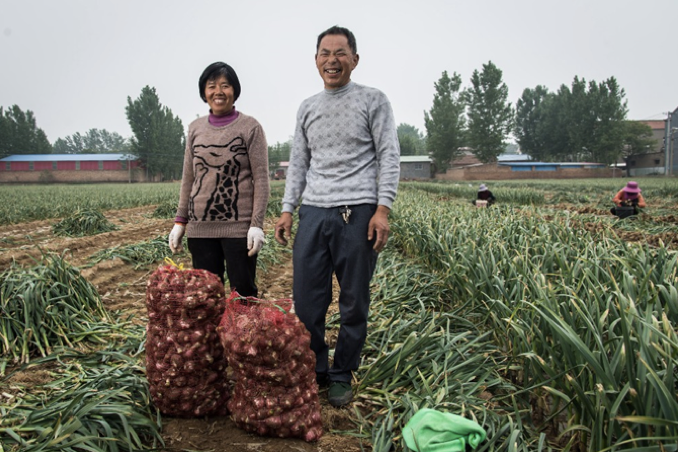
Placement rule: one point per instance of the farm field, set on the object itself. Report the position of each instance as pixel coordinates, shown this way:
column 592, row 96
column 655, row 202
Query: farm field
column 543, row 318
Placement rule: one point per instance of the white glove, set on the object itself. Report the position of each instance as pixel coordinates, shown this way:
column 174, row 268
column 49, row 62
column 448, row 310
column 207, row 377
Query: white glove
column 255, row 240
column 175, row 238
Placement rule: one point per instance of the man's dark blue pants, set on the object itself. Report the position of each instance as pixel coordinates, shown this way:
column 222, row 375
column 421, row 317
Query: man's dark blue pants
column 325, row 244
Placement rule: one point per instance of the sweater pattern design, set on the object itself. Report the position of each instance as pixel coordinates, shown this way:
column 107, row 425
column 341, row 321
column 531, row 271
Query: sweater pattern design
column 217, row 171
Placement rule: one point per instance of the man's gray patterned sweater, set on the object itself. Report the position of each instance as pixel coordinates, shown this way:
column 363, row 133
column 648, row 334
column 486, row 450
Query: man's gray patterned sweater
column 345, row 150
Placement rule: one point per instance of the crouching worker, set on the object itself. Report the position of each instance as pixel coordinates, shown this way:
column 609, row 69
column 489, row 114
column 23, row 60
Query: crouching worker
column 485, row 197
column 628, row 201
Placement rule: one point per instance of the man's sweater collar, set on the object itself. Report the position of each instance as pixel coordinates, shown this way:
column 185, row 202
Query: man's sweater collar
column 342, row 90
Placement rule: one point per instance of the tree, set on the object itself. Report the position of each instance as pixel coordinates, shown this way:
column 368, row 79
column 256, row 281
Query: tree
column 584, row 121
column 579, row 120
column 279, row 152
column 159, row 138
column 19, row 133
column 445, row 122
column 490, row 115
column 95, row 141
column 529, row 118
column 411, row 140
column 61, row 146
column 637, row 138
column 608, row 130
column 553, row 127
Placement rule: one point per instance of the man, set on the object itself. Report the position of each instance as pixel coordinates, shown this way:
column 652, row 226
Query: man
column 345, row 164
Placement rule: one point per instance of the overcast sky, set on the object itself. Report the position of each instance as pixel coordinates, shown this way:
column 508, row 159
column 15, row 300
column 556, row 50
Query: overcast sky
column 75, row 62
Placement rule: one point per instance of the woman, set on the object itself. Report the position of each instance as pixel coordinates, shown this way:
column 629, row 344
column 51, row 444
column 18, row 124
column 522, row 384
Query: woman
column 628, row 196
column 484, row 194
column 224, row 185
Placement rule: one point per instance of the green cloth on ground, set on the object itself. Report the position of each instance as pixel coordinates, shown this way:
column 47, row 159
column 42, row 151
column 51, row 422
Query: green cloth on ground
column 434, row 431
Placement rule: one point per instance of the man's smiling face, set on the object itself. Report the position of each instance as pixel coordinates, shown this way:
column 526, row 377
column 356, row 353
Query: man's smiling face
column 335, row 61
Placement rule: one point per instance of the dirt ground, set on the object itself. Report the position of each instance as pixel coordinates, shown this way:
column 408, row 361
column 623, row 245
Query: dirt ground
column 123, row 288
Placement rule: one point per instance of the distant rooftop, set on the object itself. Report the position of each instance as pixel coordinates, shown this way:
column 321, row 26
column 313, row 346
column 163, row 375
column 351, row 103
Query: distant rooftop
column 656, row 124
column 522, row 164
column 415, row 159
column 66, row 157
column 513, row 158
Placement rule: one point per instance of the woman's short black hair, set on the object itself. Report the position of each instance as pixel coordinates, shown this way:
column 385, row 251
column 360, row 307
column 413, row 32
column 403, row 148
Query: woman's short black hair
column 216, row 70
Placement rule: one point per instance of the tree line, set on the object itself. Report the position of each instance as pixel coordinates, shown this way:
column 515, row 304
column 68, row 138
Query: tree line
column 158, row 136
column 582, row 121
column 19, row 133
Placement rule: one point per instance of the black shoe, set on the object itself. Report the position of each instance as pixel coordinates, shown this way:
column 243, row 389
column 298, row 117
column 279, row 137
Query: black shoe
column 340, row 393
column 323, row 380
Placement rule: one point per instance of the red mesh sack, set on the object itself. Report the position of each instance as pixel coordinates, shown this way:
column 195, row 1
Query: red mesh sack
column 268, row 350
column 185, row 361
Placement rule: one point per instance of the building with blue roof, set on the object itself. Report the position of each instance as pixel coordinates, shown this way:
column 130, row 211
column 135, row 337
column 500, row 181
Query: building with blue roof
column 520, row 166
column 70, row 168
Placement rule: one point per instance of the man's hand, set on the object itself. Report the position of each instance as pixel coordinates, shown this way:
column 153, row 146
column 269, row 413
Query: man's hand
column 379, row 226
column 283, row 228
column 255, row 240
column 175, row 238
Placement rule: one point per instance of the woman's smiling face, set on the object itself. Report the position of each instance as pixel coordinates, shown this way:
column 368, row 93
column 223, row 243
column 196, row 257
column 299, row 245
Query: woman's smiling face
column 220, row 95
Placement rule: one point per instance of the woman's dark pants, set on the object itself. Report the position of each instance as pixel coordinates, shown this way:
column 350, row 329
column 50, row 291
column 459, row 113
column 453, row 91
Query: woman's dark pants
column 230, row 255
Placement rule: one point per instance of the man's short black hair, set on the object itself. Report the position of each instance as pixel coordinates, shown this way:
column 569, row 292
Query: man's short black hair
column 216, row 70
column 337, row 30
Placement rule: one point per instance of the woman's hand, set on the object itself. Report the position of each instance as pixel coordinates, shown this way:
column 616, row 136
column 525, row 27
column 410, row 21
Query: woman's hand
column 175, row 238
column 255, row 240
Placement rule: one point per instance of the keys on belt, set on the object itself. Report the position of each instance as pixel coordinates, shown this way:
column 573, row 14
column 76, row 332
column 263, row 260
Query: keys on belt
column 345, row 213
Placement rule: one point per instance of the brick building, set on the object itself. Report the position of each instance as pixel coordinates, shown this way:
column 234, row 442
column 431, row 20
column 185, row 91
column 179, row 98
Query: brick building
column 414, row 167
column 70, row 168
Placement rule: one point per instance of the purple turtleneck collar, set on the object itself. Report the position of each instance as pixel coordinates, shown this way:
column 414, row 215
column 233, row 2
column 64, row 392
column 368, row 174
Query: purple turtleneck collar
column 223, row 120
